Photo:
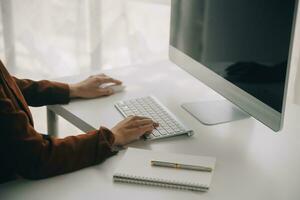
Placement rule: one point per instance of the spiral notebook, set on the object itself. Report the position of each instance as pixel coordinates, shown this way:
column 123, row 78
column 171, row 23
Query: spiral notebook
column 135, row 167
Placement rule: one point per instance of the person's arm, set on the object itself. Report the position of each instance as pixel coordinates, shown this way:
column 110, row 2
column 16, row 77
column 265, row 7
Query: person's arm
column 35, row 156
column 39, row 93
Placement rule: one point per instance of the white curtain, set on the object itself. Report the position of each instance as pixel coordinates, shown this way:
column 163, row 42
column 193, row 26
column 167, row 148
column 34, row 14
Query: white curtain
column 54, row 38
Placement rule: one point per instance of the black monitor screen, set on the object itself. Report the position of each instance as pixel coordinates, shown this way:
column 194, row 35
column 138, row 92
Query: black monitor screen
column 245, row 41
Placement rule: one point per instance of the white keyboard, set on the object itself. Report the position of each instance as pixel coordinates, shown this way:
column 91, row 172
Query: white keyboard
column 150, row 107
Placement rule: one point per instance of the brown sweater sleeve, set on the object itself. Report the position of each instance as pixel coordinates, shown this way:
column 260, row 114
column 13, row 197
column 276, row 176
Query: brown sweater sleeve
column 40, row 93
column 32, row 155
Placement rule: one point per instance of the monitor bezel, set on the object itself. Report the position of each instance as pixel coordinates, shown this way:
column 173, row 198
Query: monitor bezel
column 245, row 101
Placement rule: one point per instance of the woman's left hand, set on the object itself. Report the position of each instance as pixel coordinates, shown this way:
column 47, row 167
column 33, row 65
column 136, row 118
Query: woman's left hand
column 90, row 88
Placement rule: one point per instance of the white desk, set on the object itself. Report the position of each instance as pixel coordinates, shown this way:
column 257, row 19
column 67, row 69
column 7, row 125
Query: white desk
column 252, row 161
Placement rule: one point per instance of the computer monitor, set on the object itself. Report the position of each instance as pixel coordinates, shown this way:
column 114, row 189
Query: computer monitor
column 239, row 48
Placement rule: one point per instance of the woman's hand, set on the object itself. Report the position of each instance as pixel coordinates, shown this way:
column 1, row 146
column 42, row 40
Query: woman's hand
column 90, row 88
column 131, row 129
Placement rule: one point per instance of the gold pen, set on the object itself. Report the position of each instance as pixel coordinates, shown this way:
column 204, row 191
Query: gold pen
column 181, row 166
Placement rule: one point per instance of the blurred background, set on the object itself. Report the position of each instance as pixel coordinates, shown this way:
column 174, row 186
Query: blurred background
column 54, row 38
column 45, row 39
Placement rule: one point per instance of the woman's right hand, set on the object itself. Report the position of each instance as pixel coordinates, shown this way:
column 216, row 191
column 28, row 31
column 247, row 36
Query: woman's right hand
column 131, row 129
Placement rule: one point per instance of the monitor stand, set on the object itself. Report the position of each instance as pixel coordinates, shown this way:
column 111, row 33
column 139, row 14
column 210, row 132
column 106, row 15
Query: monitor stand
column 215, row 112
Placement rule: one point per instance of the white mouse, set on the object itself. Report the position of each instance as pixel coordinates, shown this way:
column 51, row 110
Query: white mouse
column 115, row 88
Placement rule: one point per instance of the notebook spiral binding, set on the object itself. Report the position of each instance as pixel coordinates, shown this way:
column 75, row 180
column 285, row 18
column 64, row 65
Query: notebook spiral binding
column 159, row 182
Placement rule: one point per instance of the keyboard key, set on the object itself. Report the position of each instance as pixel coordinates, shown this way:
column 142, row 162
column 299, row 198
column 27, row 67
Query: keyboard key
column 156, row 133
column 163, row 132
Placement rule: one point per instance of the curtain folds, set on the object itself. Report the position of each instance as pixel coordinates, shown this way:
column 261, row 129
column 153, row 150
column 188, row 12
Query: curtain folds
column 58, row 38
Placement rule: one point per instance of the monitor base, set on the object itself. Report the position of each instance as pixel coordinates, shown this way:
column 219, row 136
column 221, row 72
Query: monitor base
column 215, row 112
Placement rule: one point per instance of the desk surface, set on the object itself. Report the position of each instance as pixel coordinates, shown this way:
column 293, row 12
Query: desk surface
column 253, row 162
